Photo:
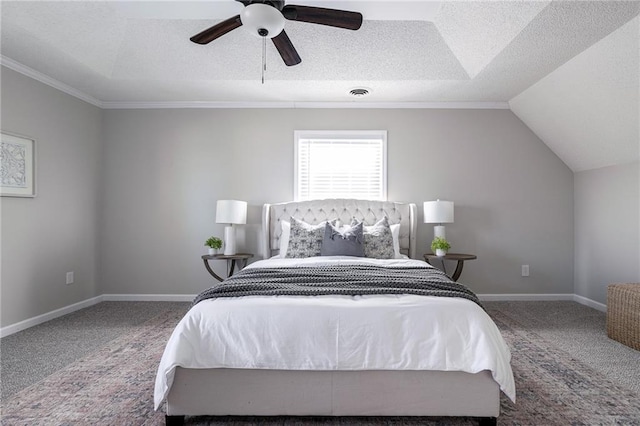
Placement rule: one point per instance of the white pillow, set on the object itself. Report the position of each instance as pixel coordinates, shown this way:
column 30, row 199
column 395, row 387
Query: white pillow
column 284, row 237
column 395, row 233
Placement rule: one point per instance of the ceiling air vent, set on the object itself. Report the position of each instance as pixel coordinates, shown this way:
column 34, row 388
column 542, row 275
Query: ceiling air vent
column 359, row 92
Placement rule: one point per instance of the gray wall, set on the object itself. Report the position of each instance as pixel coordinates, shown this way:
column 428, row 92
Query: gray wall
column 126, row 198
column 55, row 232
column 165, row 169
column 607, row 230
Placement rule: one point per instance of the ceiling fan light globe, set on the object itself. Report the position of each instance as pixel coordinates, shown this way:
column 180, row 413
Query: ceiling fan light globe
column 258, row 17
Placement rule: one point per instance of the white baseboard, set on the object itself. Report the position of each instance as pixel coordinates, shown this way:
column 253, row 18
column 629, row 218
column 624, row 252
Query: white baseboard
column 149, row 297
column 23, row 325
column 544, row 297
column 524, row 297
column 590, row 303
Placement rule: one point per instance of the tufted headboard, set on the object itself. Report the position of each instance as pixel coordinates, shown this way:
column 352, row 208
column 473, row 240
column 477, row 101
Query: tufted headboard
column 316, row 211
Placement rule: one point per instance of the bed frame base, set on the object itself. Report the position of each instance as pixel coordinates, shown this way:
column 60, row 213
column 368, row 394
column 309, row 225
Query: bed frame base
column 179, row 421
column 247, row 392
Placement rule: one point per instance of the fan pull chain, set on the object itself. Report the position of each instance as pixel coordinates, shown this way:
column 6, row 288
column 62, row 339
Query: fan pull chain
column 264, row 57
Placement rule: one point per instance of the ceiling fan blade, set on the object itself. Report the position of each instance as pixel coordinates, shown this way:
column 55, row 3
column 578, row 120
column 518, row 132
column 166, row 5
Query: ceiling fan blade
column 285, row 48
column 319, row 15
column 217, row 30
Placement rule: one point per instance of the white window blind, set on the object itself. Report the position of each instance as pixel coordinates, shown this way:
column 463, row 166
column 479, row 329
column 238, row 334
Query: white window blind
column 341, row 165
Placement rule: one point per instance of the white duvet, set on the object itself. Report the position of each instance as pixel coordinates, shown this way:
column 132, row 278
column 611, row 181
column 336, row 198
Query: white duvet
column 373, row 332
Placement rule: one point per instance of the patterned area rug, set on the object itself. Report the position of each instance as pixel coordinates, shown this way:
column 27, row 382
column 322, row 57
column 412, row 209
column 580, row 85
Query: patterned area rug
column 114, row 386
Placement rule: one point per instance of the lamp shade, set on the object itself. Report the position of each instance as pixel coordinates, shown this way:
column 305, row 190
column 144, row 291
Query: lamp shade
column 262, row 20
column 231, row 211
column 438, row 211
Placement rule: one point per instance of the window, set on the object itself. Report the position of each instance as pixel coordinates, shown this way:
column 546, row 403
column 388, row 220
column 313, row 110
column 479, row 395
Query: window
column 341, row 164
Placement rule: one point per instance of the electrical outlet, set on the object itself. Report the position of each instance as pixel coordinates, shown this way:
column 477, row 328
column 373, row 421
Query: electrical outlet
column 525, row 270
column 70, row 277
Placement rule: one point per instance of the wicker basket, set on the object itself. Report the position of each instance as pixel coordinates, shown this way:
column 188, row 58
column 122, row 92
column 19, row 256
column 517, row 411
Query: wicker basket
column 623, row 314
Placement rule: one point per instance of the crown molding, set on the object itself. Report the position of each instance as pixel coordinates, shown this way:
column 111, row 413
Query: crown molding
column 45, row 79
column 195, row 105
column 405, row 105
column 307, row 105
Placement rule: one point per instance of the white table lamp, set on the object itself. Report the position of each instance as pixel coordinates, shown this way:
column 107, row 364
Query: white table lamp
column 231, row 212
column 438, row 212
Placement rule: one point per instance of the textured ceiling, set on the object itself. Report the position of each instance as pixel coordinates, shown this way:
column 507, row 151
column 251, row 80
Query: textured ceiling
column 406, row 51
column 588, row 110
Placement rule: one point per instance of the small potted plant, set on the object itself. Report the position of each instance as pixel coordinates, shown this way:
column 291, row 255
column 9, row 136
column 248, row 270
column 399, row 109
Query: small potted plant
column 214, row 244
column 440, row 246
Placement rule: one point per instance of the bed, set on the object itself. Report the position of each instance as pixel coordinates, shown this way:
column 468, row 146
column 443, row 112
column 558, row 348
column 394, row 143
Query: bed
column 335, row 354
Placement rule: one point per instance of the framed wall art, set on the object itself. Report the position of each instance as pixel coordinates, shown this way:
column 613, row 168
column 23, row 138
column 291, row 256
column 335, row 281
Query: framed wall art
column 17, row 166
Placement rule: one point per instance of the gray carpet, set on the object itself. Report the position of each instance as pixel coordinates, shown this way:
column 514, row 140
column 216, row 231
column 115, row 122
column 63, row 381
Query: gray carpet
column 29, row 356
column 33, row 354
column 582, row 332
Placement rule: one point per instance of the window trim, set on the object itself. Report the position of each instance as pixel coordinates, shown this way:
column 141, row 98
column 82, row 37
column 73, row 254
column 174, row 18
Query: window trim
column 339, row 134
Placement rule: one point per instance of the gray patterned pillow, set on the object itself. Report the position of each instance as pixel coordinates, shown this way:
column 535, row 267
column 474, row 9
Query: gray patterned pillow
column 346, row 242
column 378, row 240
column 305, row 240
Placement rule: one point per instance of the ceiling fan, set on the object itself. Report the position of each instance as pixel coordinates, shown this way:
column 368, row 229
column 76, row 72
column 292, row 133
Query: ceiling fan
column 265, row 19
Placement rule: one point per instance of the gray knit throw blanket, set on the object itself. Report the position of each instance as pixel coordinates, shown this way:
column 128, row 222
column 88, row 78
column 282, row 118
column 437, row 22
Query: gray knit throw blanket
column 350, row 280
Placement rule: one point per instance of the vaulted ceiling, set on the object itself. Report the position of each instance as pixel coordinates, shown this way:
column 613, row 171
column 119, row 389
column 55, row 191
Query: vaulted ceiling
column 409, row 53
column 588, row 110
